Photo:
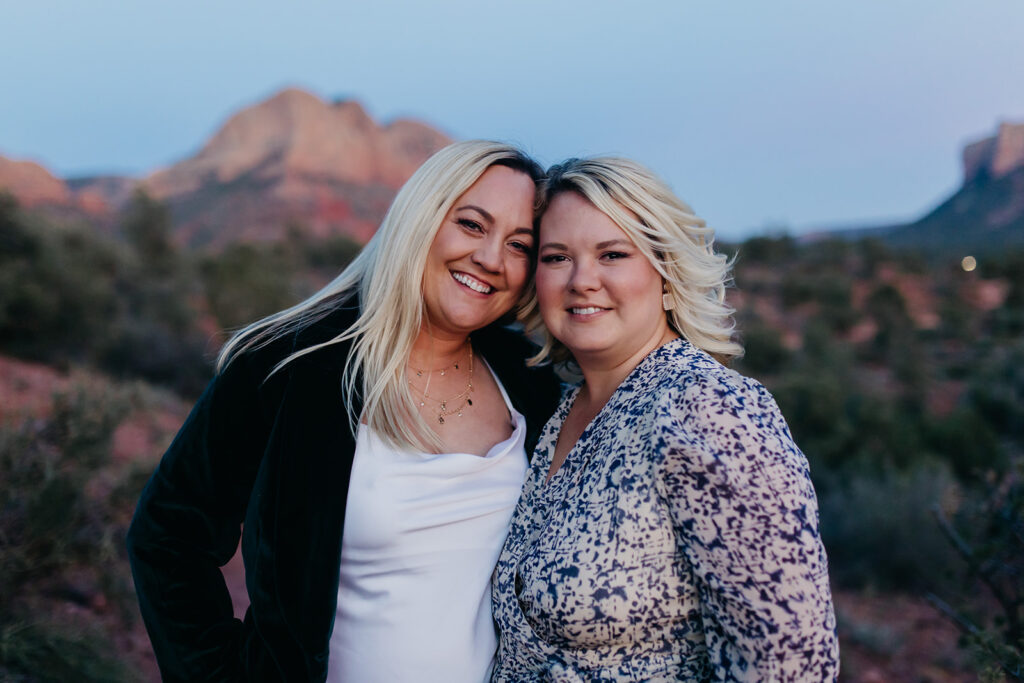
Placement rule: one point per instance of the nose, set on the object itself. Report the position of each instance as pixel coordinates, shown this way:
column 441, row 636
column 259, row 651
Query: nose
column 488, row 254
column 584, row 277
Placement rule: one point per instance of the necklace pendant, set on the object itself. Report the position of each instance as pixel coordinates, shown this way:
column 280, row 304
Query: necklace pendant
column 460, row 412
column 419, row 373
column 469, row 401
column 443, row 405
column 442, row 373
column 422, row 404
column 440, row 419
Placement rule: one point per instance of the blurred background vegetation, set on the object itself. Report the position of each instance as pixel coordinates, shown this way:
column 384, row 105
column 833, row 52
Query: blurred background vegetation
column 901, row 375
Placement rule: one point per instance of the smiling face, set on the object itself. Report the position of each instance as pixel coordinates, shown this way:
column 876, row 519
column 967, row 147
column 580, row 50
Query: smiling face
column 479, row 262
column 598, row 293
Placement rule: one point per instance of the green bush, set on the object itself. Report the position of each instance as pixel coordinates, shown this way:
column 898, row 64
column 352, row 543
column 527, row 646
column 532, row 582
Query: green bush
column 53, row 650
column 247, row 282
column 764, row 352
column 62, row 539
column 879, row 532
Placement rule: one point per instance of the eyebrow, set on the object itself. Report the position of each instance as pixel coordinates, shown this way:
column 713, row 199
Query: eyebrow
column 612, row 243
column 483, row 212
column 598, row 246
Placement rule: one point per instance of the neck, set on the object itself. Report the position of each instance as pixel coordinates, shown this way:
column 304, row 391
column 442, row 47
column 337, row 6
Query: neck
column 603, row 373
column 434, row 349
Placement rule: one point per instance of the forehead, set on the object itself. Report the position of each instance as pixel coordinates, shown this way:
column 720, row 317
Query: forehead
column 571, row 217
column 500, row 188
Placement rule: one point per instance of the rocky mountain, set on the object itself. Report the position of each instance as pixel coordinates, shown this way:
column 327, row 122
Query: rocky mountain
column 987, row 213
column 997, row 156
column 37, row 188
column 292, row 161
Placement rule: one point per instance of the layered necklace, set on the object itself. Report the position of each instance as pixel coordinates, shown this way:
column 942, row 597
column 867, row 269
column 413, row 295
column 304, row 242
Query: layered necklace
column 452, row 405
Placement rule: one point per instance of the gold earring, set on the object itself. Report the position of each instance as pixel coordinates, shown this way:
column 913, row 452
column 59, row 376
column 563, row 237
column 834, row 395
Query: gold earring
column 666, row 299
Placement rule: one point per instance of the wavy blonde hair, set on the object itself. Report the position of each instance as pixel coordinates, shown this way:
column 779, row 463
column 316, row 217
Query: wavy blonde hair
column 387, row 276
column 678, row 244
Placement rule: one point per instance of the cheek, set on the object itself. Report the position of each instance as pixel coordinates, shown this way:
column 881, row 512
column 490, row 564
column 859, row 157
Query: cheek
column 517, row 275
column 641, row 286
column 549, row 286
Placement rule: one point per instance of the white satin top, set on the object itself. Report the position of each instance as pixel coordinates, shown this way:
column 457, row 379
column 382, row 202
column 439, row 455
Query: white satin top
column 422, row 535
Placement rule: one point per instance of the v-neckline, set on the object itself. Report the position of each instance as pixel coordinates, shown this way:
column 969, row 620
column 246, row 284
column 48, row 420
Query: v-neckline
column 546, row 484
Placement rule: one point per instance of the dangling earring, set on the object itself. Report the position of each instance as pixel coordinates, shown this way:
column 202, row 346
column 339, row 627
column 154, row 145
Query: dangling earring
column 666, row 299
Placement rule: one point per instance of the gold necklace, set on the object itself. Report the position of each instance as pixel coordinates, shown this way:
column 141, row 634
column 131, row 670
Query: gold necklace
column 463, row 398
column 441, row 371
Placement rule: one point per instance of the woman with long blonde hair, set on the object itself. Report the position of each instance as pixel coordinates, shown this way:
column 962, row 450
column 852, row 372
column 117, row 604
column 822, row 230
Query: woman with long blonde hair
column 368, row 445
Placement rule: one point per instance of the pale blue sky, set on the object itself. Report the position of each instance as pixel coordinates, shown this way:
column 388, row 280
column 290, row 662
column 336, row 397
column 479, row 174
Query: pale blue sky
column 759, row 114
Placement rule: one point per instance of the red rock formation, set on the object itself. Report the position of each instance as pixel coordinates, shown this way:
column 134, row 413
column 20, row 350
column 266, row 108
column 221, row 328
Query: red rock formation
column 35, row 187
column 293, row 159
column 32, row 184
column 997, row 156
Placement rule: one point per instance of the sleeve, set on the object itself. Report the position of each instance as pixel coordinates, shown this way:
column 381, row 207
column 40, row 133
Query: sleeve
column 746, row 519
column 187, row 525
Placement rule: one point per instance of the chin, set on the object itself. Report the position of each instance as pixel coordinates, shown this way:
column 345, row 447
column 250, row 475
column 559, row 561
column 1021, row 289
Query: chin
column 469, row 323
column 588, row 347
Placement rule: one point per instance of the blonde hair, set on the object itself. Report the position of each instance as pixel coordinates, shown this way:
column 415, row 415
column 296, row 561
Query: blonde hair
column 677, row 243
column 387, row 276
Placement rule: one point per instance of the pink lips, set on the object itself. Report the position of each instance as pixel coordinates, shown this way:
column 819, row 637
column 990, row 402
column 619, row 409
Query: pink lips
column 584, row 313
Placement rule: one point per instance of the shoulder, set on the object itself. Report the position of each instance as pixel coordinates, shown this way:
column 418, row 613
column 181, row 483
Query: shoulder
column 707, row 415
column 679, row 378
column 254, row 367
column 689, row 383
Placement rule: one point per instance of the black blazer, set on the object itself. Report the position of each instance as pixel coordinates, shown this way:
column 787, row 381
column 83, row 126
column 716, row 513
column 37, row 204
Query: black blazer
column 275, row 455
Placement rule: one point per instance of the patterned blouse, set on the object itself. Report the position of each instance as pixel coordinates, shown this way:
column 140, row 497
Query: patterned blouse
column 678, row 541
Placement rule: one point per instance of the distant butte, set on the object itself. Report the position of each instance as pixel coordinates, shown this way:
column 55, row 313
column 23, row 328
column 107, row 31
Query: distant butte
column 297, row 160
column 996, row 156
column 292, row 161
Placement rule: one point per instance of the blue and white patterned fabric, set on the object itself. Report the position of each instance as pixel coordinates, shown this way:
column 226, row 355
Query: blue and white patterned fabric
column 678, row 541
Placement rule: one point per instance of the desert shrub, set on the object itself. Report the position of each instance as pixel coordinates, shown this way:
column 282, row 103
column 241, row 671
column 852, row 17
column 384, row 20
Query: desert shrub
column 146, row 224
column 329, row 256
column 154, row 334
column 62, row 540
column 997, row 391
column 872, row 252
column 886, row 305
column 878, row 530
column 987, row 602
column 68, row 295
column 797, row 288
column 764, row 351
column 57, row 292
column 767, row 249
column 246, row 282
column 967, row 442
column 54, row 650
column 47, row 519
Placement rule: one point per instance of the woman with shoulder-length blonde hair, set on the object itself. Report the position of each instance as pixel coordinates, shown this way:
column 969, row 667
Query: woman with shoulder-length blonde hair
column 668, row 527
column 368, row 445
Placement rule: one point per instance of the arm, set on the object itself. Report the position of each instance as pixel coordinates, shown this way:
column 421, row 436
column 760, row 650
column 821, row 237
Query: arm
column 187, row 525
column 746, row 519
